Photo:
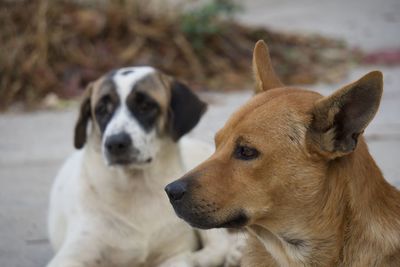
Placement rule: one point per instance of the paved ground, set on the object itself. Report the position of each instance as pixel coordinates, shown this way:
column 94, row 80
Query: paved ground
column 33, row 145
column 370, row 24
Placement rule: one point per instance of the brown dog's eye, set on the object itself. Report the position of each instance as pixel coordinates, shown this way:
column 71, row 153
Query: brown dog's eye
column 245, row 153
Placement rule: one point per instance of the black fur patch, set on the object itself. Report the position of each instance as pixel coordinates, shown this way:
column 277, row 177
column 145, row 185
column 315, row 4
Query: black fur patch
column 126, row 72
column 144, row 108
column 107, row 104
column 81, row 125
column 186, row 110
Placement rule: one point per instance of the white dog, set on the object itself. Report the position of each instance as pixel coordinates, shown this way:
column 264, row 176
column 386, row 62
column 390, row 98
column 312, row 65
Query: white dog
column 108, row 207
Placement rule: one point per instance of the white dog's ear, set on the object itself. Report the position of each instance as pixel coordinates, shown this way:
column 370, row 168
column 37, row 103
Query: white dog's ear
column 264, row 73
column 339, row 119
column 185, row 110
column 83, row 119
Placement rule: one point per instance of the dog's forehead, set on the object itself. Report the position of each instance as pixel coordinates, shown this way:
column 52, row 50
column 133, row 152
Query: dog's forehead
column 277, row 109
column 125, row 79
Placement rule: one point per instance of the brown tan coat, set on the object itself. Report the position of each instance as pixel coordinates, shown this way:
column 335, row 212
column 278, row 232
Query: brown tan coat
column 293, row 168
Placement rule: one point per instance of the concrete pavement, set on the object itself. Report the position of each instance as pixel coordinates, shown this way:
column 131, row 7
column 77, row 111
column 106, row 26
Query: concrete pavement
column 33, row 145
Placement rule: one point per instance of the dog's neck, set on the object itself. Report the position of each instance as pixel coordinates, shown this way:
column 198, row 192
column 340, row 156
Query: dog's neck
column 355, row 208
column 373, row 208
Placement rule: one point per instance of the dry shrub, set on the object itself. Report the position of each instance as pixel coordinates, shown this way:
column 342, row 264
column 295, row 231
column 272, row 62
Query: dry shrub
column 58, row 46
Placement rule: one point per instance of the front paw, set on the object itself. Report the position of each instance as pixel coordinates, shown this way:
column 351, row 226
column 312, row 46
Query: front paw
column 235, row 252
column 179, row 261
column 176, row 264
column 233, row 258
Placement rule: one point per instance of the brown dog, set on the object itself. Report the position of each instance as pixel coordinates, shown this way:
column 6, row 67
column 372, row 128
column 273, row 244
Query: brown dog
column 293, row 167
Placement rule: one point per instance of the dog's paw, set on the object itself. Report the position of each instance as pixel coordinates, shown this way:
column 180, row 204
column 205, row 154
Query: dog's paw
column 233, row 258
column 176, row 264
column 183, row 260
column 235, row 252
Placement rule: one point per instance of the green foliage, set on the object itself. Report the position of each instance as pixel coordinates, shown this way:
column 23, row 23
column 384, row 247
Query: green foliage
column 206, row 20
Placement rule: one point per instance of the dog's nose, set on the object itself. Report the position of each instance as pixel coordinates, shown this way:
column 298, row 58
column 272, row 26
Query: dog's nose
column 176, row 190
column 118, row 143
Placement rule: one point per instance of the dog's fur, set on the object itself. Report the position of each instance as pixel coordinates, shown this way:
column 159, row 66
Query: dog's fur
column 107, row 205
column 293, row 167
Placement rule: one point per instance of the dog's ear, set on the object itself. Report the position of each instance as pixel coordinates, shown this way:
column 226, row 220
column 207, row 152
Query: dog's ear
column 339, row 119
column 185, row 110
column 263, row 71
column 83, row 119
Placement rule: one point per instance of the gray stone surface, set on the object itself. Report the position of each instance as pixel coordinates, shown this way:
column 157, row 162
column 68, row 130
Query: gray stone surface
column 33, row 146
column 370, row 24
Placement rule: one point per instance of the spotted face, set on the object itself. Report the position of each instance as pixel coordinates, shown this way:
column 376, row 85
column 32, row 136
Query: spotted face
column 134, row 110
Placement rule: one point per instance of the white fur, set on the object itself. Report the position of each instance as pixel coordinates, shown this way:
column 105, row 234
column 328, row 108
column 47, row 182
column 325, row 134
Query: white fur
column 120, row 216
column 102, row 216
column 122, row 121
column 146, row 143
column 126, row 82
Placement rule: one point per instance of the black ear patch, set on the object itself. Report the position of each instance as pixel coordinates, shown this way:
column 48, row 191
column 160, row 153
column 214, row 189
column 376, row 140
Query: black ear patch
column 83, row 120
column 186, row 110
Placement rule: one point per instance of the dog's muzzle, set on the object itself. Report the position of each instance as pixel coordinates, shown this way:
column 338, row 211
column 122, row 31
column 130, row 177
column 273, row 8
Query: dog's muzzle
column 118, row 144
column 120, row 150
column 176, row 191
column 185, row 207
column 200, row 212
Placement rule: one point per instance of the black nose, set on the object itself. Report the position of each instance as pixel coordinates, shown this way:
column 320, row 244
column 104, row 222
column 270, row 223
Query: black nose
column 176, row 190
column 118, row 143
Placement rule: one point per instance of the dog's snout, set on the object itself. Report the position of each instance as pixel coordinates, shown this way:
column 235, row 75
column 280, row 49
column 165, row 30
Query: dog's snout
column 118, row 143
column 176, row 190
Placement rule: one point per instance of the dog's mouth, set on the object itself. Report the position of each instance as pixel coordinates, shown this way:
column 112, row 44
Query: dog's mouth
column 210, row 220
column 128, row 162
column 240, row 219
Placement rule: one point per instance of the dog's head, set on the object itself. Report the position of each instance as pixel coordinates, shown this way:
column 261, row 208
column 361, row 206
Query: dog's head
column 272, row 155
column 133, row 110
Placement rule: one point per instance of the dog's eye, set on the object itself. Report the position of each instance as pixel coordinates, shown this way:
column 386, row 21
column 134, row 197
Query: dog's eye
column 105, row 106
column 245, row 153
column 143, row 104
column 145, row 107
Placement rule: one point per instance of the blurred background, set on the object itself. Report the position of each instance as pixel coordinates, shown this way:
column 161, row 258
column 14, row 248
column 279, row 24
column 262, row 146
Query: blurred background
column 50, row 50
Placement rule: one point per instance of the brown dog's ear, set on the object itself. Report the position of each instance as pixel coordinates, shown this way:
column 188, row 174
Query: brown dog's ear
column 83, row 119
column 185, row 110
column 339, row 119
column 263, row 71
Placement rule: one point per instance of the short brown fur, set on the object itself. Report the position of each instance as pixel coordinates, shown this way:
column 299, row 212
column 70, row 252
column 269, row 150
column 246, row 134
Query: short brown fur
column 314, row 196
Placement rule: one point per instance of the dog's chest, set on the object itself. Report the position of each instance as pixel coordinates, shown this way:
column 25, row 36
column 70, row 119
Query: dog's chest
column 154, row 224
column 134, row 211
column 150, row 210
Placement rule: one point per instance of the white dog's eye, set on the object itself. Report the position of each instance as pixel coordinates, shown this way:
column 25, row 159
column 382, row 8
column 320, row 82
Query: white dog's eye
column 105, row 106
column 145, row 107
column 109, row 107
